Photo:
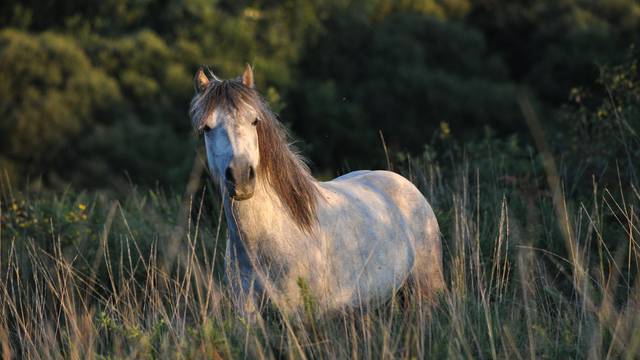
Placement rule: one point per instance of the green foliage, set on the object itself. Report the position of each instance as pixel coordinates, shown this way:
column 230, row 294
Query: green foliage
column 115, row 80
column 50, row 93
column 92, row 90
column 440, row 72
column 555, row 45
column 441, row 9
column 156, row 86
column 603, row 135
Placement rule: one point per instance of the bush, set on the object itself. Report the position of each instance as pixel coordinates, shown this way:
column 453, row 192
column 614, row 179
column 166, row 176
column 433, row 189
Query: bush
column 403, row 76
column 50, row 94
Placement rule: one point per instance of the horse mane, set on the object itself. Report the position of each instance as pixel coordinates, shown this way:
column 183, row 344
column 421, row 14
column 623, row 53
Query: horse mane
column 280, row 164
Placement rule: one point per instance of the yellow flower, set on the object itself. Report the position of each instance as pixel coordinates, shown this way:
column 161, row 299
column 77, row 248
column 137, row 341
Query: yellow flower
column 445, row 130
column 14, row 206
column 82, row 206
column 252, row 13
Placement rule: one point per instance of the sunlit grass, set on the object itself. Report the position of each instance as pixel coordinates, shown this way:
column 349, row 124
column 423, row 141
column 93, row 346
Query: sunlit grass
column 88, row 275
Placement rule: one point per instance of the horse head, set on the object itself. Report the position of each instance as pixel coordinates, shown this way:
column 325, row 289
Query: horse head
column 227, row 114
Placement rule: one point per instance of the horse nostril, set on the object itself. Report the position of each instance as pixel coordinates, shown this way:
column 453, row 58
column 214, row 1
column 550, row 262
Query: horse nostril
column 228, row 174
column 252, row 173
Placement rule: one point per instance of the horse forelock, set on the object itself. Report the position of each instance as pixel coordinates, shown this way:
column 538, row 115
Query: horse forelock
column 281, row 166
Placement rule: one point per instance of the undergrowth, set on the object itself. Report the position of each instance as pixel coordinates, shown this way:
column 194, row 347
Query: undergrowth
column 89, row 275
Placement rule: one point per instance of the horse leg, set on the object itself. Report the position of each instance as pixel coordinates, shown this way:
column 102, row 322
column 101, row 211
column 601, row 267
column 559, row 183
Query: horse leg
column 242, row 286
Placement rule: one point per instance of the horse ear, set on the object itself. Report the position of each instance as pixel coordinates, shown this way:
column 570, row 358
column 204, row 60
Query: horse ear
column 201, row 80
column 247, row 76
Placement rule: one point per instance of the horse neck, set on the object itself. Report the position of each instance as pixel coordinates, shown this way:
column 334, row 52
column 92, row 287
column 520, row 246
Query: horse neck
column 262, row 218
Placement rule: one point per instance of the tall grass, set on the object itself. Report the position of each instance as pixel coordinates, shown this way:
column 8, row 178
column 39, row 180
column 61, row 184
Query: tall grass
column 93, row 276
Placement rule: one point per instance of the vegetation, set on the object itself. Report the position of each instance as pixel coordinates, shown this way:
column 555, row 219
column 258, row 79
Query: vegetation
column 89, row 90
column 530, row 275
column 519, row 121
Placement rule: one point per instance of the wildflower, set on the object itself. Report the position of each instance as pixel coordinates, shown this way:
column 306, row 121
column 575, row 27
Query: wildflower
column 82, row 206
column 445, row 130
column 602, row 113
column 252, row 13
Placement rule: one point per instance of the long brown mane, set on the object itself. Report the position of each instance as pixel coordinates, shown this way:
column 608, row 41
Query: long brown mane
column 282, row 167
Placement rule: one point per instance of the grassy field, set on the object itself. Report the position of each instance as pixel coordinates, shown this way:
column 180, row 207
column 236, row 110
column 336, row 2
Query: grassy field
column 531, row 274
column 518, row 120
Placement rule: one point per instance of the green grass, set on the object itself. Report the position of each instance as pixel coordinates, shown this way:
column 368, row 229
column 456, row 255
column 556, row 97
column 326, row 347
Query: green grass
column 531, row 274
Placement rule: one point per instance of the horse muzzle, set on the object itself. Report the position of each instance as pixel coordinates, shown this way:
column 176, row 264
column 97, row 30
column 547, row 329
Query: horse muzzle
column 240, row 180
column 239, row 195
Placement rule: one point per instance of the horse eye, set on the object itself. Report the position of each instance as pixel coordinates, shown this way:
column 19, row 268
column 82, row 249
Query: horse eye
column 255, row 122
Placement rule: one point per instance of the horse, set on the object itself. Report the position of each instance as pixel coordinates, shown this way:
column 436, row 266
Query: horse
column 348, row 243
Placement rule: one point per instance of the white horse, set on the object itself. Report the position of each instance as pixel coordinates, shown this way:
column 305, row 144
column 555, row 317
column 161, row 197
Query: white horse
column 349, row 242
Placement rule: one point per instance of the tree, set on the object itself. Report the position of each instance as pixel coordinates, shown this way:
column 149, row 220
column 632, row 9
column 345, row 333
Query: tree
column 403, row 76
column 50, row 92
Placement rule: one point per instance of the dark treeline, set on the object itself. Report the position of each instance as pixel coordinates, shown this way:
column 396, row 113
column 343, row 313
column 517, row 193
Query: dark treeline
column 94, row 93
